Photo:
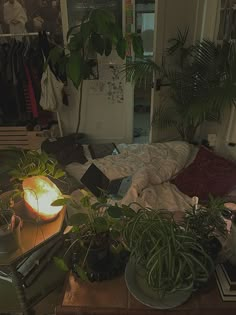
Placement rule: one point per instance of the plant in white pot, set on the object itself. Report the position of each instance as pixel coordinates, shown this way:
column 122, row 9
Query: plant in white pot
column 10, row 225
column 167, row 263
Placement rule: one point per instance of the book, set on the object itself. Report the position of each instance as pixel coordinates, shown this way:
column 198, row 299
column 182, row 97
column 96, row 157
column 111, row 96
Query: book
column 230, row 274
column 226, row 292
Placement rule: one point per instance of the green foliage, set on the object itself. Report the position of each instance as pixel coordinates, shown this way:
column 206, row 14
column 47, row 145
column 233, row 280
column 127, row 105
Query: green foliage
column 97, row 33
column 201, row 83
column 207, row 222
column 60, row 263
column 98, row 223
column 33, row 163
column 171, row 255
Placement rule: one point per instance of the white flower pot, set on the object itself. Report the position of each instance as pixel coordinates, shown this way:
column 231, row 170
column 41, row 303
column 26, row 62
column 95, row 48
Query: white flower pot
column 138, row 287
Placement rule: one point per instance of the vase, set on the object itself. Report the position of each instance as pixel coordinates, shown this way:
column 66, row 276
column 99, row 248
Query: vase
column 135, row 277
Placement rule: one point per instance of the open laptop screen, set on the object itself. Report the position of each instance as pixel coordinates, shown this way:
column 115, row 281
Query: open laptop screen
column 95, row 180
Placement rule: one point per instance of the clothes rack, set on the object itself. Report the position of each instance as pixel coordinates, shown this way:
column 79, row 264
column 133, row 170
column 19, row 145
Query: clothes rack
column 21, row 34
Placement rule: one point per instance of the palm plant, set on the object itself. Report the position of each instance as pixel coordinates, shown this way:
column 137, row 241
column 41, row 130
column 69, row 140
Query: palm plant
column 201, row 83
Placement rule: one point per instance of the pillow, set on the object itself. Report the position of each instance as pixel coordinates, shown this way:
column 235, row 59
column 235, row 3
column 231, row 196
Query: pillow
column 208, row 174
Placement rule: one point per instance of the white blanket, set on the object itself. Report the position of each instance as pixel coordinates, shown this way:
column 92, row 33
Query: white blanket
column 151, row 167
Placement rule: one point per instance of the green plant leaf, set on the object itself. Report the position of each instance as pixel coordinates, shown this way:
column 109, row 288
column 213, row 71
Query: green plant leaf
column 61, row 202
column 79, row 219
column 101, row 225
column 115, row 212
column 59, row 173
column 108, row 46
column 60, row 263
column 121, row 47
column 137, row 44
column 98, row 43
column 128, row 212
column 74, row 67
column 82, row 273
column 85, row 201
column 75, row 43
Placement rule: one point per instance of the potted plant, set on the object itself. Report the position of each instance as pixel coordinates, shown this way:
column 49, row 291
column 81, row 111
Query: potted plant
column 166, row 260
column 10, row 225
column 98, row 33
column 208, row 224
column 200, row 83
column 95, row 237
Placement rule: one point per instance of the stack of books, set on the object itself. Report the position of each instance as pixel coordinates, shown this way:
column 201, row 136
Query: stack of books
column 226, row 281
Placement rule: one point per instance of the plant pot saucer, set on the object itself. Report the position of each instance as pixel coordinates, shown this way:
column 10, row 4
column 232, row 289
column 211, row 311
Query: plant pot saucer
column 142, row 293
column 113, row 267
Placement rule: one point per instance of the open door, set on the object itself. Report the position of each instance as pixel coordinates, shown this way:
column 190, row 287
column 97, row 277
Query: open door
column 169, row 16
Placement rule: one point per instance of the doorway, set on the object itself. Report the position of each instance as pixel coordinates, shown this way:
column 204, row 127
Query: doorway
column 144, row 25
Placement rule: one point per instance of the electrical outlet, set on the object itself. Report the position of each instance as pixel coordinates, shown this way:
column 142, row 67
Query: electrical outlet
column 212, row 137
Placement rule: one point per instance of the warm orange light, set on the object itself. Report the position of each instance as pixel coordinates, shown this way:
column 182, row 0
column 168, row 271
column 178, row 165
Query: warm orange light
column 39, row 193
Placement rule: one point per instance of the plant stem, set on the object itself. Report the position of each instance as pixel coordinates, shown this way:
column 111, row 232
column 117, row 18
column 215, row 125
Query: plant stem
column 80, row 105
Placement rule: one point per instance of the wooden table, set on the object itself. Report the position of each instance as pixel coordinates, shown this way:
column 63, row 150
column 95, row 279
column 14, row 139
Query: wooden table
column 113, row 298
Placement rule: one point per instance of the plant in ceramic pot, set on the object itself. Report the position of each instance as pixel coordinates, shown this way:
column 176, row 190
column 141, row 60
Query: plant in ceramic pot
column 95, row 238
column 10, row 225
column 166, row 259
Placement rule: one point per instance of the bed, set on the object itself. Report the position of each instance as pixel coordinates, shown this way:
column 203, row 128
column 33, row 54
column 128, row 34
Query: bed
column 166, row 175
column 152, row 166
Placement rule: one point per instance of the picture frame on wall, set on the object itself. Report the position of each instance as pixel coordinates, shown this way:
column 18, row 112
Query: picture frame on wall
column 27, row 16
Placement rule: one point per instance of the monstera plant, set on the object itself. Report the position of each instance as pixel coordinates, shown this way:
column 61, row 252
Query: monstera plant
column 98, row 33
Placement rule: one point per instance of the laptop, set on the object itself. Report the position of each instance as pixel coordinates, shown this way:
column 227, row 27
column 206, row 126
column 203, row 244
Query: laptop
column 98, row 183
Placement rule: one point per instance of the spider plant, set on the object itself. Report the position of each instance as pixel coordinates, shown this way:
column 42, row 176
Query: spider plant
column 170, row 255
column 201, row 83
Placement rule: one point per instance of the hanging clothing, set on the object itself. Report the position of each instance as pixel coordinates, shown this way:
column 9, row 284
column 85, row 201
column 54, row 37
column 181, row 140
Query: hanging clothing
column 31, row 104
column 15, row 16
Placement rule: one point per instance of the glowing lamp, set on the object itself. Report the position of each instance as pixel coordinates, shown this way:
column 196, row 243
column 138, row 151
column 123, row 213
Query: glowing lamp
column 39, row 193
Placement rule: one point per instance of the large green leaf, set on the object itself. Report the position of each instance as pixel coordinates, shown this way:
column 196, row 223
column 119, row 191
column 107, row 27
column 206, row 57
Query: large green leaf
column 108, row 46
column 137, row 44
column 60, row 263
column 82, row 273
column 79, row 219
column 61, row 202
column 74, row 68
column 121, row 47
column 101, row 225
column 115, row 212
column 98, row 43
column 76, row 42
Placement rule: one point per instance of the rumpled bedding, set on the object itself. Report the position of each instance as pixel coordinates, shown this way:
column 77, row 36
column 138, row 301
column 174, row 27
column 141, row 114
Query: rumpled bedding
column 151, row 166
